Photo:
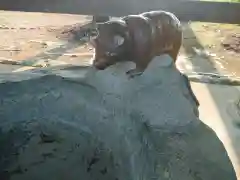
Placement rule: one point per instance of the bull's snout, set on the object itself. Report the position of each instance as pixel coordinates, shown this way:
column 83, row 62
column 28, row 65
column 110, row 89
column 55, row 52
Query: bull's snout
column 102, row 63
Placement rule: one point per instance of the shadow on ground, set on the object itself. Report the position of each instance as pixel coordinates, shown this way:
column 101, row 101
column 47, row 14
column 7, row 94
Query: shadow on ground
column 185, row 10
column 52, row 54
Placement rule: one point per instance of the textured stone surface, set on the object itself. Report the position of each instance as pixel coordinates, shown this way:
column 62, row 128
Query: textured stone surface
column 103, row 125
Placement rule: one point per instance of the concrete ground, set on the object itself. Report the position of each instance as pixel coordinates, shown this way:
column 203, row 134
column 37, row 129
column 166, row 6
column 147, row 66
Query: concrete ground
column 35, row 42
column 218, row 110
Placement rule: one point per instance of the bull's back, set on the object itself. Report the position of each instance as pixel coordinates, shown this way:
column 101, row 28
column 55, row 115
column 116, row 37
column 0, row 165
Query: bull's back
column 168, row 32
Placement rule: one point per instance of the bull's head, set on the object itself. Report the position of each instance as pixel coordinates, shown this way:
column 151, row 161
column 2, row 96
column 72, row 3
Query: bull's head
column 110, row 43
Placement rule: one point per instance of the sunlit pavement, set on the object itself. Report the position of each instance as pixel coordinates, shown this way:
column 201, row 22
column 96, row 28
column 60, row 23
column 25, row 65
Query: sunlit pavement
column 218, row 110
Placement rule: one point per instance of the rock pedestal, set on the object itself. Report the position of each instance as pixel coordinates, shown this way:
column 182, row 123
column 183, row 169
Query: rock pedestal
column 109, row 127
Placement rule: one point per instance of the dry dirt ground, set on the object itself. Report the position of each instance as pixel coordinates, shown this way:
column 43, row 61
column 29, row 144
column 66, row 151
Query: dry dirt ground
column 32, row 39
column 211, row 46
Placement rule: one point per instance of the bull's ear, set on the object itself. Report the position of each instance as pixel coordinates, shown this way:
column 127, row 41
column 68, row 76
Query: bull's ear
column 118, row 40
